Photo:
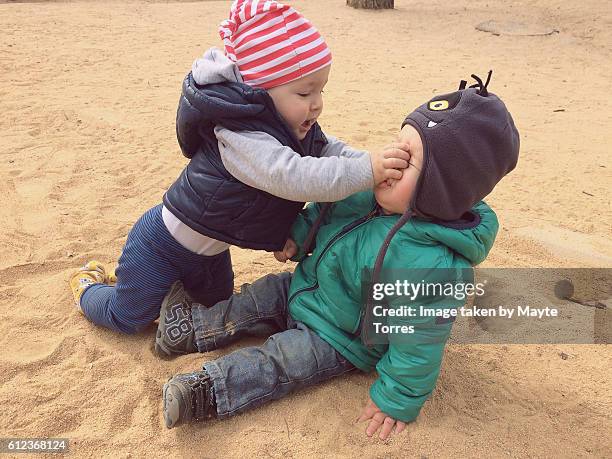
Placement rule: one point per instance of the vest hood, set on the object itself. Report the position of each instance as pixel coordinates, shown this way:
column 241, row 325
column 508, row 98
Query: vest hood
column 214, row 94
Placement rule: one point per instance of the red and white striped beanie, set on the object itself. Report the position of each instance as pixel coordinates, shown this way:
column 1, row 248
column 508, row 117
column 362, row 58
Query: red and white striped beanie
column 272, row 43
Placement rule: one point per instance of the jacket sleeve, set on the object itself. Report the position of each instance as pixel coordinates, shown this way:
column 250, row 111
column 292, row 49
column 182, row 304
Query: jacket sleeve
column 408, row 371
column 259, row 160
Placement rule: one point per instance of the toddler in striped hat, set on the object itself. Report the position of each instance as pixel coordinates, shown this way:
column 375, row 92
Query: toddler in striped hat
column 278, row 49
column 247, row 120
column 272, row 44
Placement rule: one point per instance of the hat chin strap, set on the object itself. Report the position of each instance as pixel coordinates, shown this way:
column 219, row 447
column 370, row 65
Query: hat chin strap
column 385, row 245
column 314, row 229
column 378, row 267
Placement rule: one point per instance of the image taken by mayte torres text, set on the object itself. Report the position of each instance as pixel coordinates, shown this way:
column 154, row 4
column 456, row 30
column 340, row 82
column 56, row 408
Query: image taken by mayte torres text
column 492, row 305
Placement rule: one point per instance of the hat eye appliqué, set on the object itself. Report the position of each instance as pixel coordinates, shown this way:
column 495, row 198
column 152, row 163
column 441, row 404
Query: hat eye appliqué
column 438, row 105
column 444, row 102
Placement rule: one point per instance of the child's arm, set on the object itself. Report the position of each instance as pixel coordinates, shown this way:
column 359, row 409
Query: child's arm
column 259, row 160
column 336, row 147
column 408, row 371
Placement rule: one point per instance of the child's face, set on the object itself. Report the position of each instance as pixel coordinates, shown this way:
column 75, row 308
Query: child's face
column 394, row 196
column 300, row 102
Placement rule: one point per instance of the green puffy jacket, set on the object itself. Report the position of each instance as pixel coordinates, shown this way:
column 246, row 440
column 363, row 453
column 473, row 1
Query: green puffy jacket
column 326, row 291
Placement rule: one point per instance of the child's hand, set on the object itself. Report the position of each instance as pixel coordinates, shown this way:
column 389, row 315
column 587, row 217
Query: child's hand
column 387, row 163
column 288, row 251
column 378, row 418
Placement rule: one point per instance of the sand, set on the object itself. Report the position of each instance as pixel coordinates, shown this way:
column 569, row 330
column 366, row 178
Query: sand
column 88, row 95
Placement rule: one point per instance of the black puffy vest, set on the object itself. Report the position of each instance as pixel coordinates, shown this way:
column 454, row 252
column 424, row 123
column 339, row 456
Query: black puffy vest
column 206, row 197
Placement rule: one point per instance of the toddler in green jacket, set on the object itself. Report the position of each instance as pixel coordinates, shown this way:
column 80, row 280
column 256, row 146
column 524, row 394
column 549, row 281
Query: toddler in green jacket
column 461, row 145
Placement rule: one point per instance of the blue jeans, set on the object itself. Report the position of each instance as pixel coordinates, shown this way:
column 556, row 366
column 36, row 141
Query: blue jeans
column 293, row 357
column 152, row 260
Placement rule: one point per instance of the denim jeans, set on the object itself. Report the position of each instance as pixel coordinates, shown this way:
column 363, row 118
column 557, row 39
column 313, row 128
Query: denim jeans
column 293, row 356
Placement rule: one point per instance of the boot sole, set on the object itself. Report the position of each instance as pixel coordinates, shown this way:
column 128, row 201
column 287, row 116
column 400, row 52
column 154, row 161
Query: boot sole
column 173, row 398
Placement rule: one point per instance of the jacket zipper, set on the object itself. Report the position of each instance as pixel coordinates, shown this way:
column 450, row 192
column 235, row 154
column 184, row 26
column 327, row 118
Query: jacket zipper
column 351, row 226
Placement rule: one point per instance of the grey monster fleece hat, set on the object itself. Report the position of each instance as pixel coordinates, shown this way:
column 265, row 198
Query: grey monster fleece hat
column 469, row 144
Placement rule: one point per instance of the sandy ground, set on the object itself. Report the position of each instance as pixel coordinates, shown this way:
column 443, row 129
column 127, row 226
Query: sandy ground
column 88, row 95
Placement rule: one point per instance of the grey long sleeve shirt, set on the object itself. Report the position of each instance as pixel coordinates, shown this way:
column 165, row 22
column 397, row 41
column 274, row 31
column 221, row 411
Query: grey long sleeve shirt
column 259, row 160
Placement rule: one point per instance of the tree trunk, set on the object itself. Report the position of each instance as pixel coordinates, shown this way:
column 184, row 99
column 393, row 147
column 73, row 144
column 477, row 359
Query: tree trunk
column 371, row 4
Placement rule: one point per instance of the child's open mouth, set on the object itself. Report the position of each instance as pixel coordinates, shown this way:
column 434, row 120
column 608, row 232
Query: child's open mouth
column 307, row 124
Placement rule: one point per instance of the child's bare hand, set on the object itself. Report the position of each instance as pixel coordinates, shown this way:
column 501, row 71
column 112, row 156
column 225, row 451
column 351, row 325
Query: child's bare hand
column 387, row 164
column 288, row 251
column 377, row 418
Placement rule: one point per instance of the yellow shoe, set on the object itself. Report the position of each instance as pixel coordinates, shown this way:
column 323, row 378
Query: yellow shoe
column 111, row 277
column 92, row 273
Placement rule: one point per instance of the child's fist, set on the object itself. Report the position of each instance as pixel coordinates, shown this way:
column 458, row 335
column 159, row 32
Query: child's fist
column 387, row 164
column 288, row 251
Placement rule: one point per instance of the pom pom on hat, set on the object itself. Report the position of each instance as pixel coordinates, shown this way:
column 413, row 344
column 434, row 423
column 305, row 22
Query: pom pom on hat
column 272, row 44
